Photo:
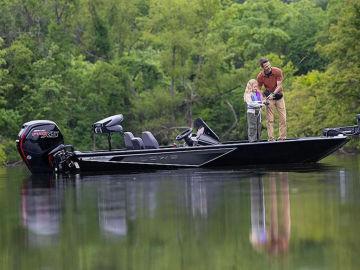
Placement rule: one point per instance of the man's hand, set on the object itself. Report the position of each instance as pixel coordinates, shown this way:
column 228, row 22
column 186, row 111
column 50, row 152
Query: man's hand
column 271, row 96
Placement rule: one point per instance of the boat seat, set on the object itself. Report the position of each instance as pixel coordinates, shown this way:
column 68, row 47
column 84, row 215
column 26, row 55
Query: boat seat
column 128, row 136
column 137, row 143
column 149, row 140
column 204, row 139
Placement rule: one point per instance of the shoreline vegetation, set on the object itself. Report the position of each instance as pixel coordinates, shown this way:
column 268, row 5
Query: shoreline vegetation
column 164, row 63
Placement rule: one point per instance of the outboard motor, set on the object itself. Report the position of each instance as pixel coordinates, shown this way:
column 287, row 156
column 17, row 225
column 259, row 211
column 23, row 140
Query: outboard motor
column 36, row 140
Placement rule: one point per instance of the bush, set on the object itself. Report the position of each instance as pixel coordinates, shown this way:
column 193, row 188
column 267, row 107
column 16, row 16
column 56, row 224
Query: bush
column 2, row 156
column 8, row 152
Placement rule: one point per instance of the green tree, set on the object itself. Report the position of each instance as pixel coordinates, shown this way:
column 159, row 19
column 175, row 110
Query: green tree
column 18, row 58
column 304, row 27
column 331, row 98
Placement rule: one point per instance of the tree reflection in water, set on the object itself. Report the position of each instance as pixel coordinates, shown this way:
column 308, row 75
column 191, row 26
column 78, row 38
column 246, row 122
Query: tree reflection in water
column 270, row 226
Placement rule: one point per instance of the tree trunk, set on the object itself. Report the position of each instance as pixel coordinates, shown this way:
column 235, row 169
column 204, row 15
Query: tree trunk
column 172, row 85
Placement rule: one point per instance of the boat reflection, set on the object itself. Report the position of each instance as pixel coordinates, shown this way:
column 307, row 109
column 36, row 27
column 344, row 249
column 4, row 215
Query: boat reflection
column 112, row 209
column 270, row 213
column 198, row 196
column 40, row 208
column 121, row 201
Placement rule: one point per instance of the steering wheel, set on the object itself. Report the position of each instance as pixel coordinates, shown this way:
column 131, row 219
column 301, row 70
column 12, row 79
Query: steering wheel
column 184, row 134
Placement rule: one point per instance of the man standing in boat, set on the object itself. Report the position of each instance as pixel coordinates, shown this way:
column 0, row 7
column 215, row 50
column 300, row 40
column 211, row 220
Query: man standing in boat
column 271, row 78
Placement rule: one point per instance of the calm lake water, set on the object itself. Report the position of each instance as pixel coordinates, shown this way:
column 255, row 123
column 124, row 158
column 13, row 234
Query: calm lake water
column 274, row 218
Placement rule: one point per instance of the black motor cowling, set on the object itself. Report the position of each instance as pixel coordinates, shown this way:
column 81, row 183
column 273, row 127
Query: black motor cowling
column 36, row 140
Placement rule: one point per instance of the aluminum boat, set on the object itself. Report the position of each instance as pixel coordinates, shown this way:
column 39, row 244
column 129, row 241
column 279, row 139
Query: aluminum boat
column 41, row 147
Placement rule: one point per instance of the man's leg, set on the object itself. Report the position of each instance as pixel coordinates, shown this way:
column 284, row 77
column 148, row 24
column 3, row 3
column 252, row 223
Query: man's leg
column 280, row 106
column 270, row 119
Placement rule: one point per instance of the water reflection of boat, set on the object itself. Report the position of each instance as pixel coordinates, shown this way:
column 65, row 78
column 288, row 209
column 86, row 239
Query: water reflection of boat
column 120, row 202
column 40, row 208
column 112, row 209
column 270, row 226
column 117, row 205
column 198, row 196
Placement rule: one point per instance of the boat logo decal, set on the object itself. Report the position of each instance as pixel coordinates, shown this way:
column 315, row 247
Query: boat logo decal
column 42, row 133
column 159, row 158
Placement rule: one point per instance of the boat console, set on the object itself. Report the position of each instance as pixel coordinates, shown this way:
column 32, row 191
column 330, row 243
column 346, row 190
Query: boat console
column 204, row 135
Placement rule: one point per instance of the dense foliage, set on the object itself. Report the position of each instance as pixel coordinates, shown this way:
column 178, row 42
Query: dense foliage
column 163, row 63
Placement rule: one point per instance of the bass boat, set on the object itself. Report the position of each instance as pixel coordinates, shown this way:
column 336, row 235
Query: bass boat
column 41, row 147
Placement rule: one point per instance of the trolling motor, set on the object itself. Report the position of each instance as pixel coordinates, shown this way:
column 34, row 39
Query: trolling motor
column 108, row 126
column 346, row 131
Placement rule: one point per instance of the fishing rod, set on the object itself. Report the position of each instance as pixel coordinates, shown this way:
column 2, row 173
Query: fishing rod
column 241, row 85
column 233, row 89
column 214, row 97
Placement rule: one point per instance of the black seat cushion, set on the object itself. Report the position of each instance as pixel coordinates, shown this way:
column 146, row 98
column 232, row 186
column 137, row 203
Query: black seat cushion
column 149, row 140
column 137, row 143
column 128, row 136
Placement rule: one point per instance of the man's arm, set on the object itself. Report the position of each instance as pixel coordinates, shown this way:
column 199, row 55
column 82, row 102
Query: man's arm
column 279, row 80
column 278, row 87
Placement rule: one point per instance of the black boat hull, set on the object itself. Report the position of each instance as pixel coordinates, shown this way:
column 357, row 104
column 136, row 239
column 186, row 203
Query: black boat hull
column 296, row 151
column 41, row 146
